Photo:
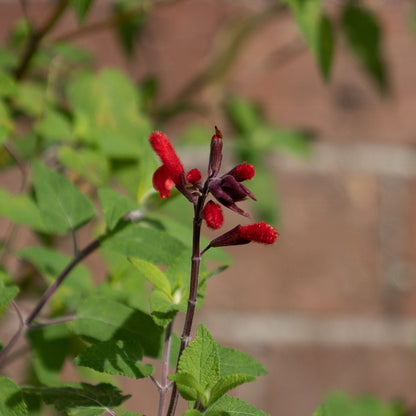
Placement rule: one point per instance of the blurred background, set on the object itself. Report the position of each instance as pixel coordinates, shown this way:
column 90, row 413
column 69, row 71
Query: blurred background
column 332, row 305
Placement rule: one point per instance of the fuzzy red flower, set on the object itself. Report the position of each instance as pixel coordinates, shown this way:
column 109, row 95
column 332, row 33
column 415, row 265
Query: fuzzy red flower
column 163, row 147
column 162, row 182
column 194, row 176
column 213, row 215
column 242, row 172
column 260, row 233
column 244, row 234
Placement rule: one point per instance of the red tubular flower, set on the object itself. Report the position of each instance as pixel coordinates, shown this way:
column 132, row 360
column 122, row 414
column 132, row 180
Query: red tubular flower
column 194, row 176
column 244, row 234
column 162, row 182
column 242, row 172
column 213, row 215
column 163, row 147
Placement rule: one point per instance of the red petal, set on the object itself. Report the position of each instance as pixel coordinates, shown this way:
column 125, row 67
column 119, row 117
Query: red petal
column 260, row 233
column 162, row 182
column 163, row 147
column 194, row 176
column 213, row 215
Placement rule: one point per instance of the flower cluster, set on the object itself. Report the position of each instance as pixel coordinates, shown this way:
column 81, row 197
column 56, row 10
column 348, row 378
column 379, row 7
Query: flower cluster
column 226, row 189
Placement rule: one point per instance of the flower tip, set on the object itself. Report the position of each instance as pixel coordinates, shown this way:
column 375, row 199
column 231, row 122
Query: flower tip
column 218, row 132
column 260, row 233
column 213, row 215
column 194, row 176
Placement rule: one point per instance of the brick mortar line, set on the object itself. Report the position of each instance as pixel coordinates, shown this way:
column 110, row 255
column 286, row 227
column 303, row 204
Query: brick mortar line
column 262, row 329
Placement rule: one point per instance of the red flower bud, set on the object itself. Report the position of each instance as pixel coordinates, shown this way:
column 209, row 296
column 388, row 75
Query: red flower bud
column 215, row 155
column 162, row 182
column 260, row 233
column 242, row 172
column 194, row 176
column 163, row 147
column 213, row 215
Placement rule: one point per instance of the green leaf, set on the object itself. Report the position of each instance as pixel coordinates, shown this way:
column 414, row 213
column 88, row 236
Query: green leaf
column 147, row 167
column 8, row 291
column 62, row 206
column 163, row 306
column 51, row 264
column 31, row 98
column 121, row 357
column 188, row 386
column 54, row 127
column 50, row 346
column 325, row 46
column 192, row 412
column 21, row 210
column 226, row 384
column 6, row 123
column 317, row 31
column 232, row 406
column 82, row 395
column 153, row 274
column 103, row 319
column 81, row 8
column 136, row 240
column 89, row 164
column 244, row 115
column 339, row 404
column 114, row 206
column 7, row 85
column 363, row 33
column 233, row 361
column 129, row 29
column 200, row 359
column 106, row 113
column 11, row 399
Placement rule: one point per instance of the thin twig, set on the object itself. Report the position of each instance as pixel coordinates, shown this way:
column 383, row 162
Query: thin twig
column 49, row 322
column 99, row 25
column 36, row 38
column 55, row 285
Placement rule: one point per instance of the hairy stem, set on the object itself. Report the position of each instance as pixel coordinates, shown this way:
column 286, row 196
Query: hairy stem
column 36, row 38
column 164, row 385
column 193, row 290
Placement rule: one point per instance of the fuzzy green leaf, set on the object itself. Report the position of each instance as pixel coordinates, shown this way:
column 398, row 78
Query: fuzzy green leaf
column 50, row 346
column 106, row 113
column 339, row 404
column 80, row 395
column 201, row 360
column 145, row 243
column 31, row 98
column 54, row 127
column 8, row 291
column 317, row 31
column 232, row 406
column 103, row 319
column 121, row 357
column 62, row 206
column 363, row 33
column 226, row 384
column 233, row 361
column 188, row 386
column 11, row 399
column 50, row 264
column 153, row 274
column 89, row 164
column 114, row 206
column 21, row 210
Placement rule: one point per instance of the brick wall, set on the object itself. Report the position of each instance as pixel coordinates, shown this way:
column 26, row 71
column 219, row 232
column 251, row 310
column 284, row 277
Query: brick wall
column 332, row 305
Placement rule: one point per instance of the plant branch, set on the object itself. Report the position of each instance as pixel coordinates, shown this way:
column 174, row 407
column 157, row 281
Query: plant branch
column 99, row 25
column 164, row 385
column 55, row 285
column 193, row 290
column 36, row 38
column 50, row 322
